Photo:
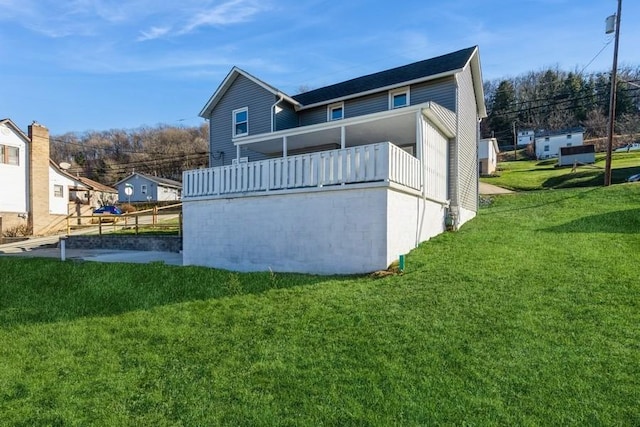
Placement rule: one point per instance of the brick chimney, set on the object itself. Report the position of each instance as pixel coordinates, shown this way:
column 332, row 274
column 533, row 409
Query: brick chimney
column 38, row 177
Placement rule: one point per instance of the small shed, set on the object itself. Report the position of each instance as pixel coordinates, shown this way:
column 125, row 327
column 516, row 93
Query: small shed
column 580, row 154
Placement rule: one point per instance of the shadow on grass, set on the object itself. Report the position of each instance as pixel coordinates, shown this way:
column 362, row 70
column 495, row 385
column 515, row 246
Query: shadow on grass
column 589, row 178
column 627, row 222
column 44, row 290
column 562, row 196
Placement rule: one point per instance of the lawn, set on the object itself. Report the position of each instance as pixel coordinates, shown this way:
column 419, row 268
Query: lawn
column 529, row 315
column 527, row 175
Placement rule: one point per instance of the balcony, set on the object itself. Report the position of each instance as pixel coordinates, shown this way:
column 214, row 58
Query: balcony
column 374, row 163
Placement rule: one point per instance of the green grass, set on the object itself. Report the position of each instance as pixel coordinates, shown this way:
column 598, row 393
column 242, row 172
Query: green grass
column 526, row 175
column 529, row 315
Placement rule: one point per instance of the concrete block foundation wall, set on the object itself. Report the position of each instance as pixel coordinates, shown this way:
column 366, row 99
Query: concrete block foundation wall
column 131, row 243
column 346, row 231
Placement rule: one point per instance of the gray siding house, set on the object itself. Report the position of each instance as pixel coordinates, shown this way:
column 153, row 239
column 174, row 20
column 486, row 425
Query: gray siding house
column 397, row 147
column 148, row 188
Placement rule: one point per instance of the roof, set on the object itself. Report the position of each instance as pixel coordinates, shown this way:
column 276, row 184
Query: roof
column 545, row 133
column 8, row 122
column 422, row 70
column 428, row 69
column 577, row 149
column 228, row 81
column 94, row 185
column 166, row 182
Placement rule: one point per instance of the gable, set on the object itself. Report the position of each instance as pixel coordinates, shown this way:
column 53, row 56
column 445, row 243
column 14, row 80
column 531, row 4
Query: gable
column 228, row 83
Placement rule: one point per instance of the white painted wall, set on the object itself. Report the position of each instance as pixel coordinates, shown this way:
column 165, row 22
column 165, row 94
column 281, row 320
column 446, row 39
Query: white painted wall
column 13, row 178
column 488, row 154
column 59, row 205
column 168, row 194
column 346, row 231
column 554, row 142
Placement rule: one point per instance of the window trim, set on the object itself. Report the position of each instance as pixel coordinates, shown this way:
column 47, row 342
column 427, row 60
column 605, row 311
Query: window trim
column 5, row 155
column 55, row 193
column 235, row 123
column 333, row 107
column 399, row 91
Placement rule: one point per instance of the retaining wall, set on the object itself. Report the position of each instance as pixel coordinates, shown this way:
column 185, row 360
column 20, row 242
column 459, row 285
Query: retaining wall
column 126, row 243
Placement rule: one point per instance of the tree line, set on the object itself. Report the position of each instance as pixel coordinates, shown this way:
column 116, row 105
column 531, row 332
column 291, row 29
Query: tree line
column 553, row 99
column 109, row 156
column 550, row 99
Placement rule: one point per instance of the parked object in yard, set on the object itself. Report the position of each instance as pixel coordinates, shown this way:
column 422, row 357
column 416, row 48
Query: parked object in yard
column 107, row 213
column 634, row 178
column 629, row 147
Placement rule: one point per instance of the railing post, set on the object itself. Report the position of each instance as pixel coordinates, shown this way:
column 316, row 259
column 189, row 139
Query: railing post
column 137, row 216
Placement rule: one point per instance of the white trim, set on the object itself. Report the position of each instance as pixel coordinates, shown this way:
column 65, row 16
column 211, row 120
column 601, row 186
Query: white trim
column 228, row 81
column 405, row 90
column 331, row 108
column 252, row 139
column 235, row 123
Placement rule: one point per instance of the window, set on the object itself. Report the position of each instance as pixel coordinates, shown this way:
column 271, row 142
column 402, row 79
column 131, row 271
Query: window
column 546, row 138
column 9, row 155
column 335, row 112
column 568, row 144
column 143, row 188
column 399, row 98
column 241, row 122
column 569, row 136
column 58, row 191
column 546, row 148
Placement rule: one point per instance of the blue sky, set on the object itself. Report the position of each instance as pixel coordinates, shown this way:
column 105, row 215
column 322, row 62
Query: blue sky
column 79, row 65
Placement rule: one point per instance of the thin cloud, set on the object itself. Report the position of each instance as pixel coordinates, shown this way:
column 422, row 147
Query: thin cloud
column 153, row 33
column 231, row 12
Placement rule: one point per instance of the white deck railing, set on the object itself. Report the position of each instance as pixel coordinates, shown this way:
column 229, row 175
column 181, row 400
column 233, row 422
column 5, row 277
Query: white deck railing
column 366, row 163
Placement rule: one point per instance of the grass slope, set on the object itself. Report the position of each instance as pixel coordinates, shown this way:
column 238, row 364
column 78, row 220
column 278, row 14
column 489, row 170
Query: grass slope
column 536, row 175
column 527, row 316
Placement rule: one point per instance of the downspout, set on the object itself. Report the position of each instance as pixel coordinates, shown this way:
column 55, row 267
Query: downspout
column 273, row 113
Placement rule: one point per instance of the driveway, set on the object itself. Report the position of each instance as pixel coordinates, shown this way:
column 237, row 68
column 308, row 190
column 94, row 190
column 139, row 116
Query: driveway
column 488, row 189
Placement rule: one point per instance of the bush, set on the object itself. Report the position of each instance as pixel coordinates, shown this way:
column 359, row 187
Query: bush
column 127, row 208
column 18, row 231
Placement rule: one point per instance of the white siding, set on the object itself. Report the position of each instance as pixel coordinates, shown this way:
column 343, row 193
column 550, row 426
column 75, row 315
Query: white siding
column 555, row 142
column 435, row 161
column 59, row 205
column 13, row 178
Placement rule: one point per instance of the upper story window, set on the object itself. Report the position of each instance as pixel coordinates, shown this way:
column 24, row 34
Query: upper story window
column 546, row 148
column 398, row 98
column 9, row 155
column 58, row 191
column 335, row 112
column 569, row 136
column 241, row 122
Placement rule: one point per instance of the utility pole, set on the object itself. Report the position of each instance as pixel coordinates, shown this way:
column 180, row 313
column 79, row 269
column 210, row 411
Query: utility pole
column 515, row 142
column 612, row 99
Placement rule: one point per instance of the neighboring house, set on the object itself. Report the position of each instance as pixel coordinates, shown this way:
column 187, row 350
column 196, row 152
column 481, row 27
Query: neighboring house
column 548, row 143
column 488, row 155
column 581, row 154
column 148, row 188
column 93, row 193
column 27, row 198
column 526, row 137
column 61, row 185
column 340, row 179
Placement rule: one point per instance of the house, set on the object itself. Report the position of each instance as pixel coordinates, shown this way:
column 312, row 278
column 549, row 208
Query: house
column 340, row 179
column 581, row 154
column 526, row 137
column 147, row 188
column 548, row 143
column 93, row 193
column 36, row 191
column 31, row 188
column 488, row 155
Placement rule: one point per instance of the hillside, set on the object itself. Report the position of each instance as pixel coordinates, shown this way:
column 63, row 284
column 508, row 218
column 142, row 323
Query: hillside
column 527, row 316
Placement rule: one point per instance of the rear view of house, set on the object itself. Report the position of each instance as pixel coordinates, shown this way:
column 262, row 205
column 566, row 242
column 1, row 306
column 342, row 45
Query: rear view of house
column 340, row 179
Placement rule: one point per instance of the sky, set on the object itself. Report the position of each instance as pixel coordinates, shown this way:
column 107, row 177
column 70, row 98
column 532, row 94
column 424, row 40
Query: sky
column 95, row 65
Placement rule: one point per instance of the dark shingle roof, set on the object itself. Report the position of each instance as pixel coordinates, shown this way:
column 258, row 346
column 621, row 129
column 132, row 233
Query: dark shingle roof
column 418, row 70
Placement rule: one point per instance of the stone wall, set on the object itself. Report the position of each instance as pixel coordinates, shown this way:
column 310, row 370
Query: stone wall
column 126, row 243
